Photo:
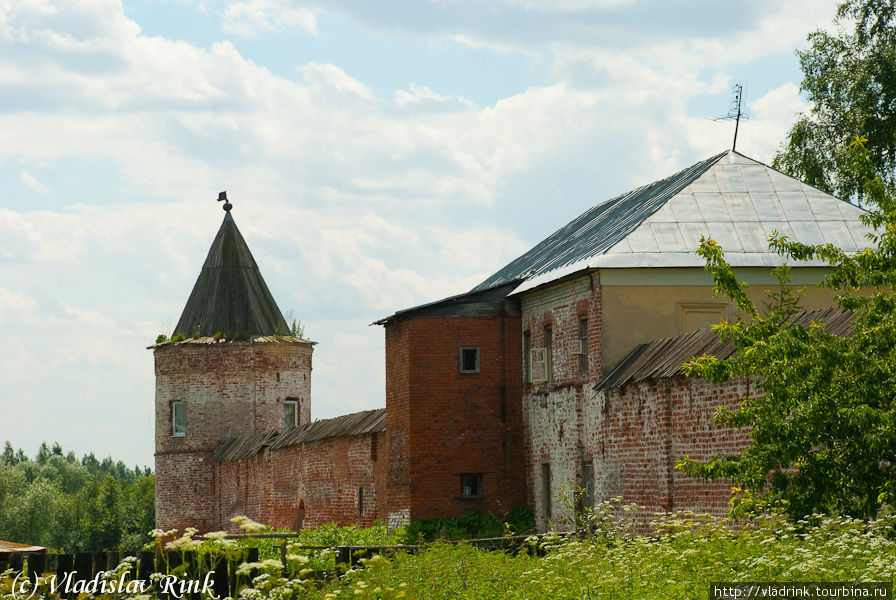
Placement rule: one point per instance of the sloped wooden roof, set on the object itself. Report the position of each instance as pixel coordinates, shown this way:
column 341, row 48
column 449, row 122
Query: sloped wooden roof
column 230, row 295
column 10, row 547
column 250, row 444
column 665, row 357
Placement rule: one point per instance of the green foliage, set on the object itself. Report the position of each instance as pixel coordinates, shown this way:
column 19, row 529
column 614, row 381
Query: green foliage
column 474, row 524
column 162, row 338
column 59, row 502
column 297, row 329
column 823, row 423
column 679, row 558
column 849, row 76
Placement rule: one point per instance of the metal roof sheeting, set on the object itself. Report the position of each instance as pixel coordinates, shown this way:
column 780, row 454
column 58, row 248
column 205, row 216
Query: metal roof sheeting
column 665, row 357
column 731, row 198
column 248, row 445
column 598, row 229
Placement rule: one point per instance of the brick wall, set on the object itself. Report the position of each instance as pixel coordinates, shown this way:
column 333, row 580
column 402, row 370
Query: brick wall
column 323, row 476
column 631, row 437
column 229, row 388
column 554, row 411
column 634, row 435
column 442, row 423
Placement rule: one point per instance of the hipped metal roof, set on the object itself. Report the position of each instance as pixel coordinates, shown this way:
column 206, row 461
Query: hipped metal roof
column 729, row 197
column 665, row 357
column 248, row 445
column 230, row 295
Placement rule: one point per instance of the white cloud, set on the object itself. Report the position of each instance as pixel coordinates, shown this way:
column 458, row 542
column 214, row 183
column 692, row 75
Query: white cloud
column 32, row 182
column 355, row 204
column 258, row 16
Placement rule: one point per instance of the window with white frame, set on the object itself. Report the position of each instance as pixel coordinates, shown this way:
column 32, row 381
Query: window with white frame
column 290, row 413
column 179, row 419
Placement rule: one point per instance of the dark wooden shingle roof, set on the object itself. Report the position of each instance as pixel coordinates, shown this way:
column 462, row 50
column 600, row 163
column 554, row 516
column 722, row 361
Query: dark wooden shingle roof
column 230, row 295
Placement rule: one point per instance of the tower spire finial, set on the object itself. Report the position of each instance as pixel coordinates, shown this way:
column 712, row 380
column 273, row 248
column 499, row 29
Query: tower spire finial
column 222, row 197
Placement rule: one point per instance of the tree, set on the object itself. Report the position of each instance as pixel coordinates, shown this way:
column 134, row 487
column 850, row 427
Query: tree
column 850, row 79
column 823, row 424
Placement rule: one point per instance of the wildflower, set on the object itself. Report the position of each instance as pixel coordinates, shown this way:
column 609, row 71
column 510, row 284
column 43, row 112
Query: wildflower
column 248, row 525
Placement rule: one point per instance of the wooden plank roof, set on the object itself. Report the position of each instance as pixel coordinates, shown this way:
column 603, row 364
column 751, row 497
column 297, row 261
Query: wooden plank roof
column 248, row 445
column 10, row 547
column 230, row 295
column 665, row 357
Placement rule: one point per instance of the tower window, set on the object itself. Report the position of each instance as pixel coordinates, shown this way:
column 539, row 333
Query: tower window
column 471, row 486
column 468, row 361
column 546, row 489
column 290, row 413
column 549, row 352
column 179, row 419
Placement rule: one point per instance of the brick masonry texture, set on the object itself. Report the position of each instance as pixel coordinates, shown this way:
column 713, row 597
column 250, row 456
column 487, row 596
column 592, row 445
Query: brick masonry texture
column 229, row 389
column 336, row 479
column 632, row 436
column 442, row 423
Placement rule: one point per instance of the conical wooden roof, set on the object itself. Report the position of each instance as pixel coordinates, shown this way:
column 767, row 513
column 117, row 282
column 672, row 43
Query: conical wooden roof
column 230, row 296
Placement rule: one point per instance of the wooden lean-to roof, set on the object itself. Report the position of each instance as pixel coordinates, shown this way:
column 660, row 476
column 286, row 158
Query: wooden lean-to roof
column 11, row 547
column 250, row 444
column 664, row 357
column 230, row 296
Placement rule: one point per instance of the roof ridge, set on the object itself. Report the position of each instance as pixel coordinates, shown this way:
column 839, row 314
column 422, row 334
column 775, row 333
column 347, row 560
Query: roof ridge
column 625, row 212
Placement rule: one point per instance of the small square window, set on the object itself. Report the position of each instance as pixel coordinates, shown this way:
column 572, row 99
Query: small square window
column 290, row 413
column 471, row 486
column 468, row 361
column 179, row 419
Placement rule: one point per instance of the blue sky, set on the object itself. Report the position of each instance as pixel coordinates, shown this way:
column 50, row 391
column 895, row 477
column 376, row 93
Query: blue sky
column 379, row 155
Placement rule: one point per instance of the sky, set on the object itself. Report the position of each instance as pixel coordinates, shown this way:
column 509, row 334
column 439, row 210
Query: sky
column 378, row 155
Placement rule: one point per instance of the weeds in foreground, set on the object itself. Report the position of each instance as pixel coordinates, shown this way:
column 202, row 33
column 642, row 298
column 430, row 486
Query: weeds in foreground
column 678, row 558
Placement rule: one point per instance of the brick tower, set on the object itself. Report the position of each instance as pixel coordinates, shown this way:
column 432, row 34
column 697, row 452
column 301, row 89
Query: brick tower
column 229, row 369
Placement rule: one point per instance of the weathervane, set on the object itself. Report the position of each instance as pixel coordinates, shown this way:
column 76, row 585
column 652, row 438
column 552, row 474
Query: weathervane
column 222, row 197
column 735, row 113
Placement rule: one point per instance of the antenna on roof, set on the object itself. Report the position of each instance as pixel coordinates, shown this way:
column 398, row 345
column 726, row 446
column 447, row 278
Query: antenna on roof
column 736, row 112
column 222, row 197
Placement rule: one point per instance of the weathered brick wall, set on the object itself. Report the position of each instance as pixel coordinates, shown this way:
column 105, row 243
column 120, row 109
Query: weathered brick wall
column 398, row 425
column 443, row 423
column 634, row 435
column 324, row 476
column 631, row 437
column 555, row 411
column 229, row 389
column 694, row 403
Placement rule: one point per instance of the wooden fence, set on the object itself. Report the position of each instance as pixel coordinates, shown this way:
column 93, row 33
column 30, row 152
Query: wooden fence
column 221, row 573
